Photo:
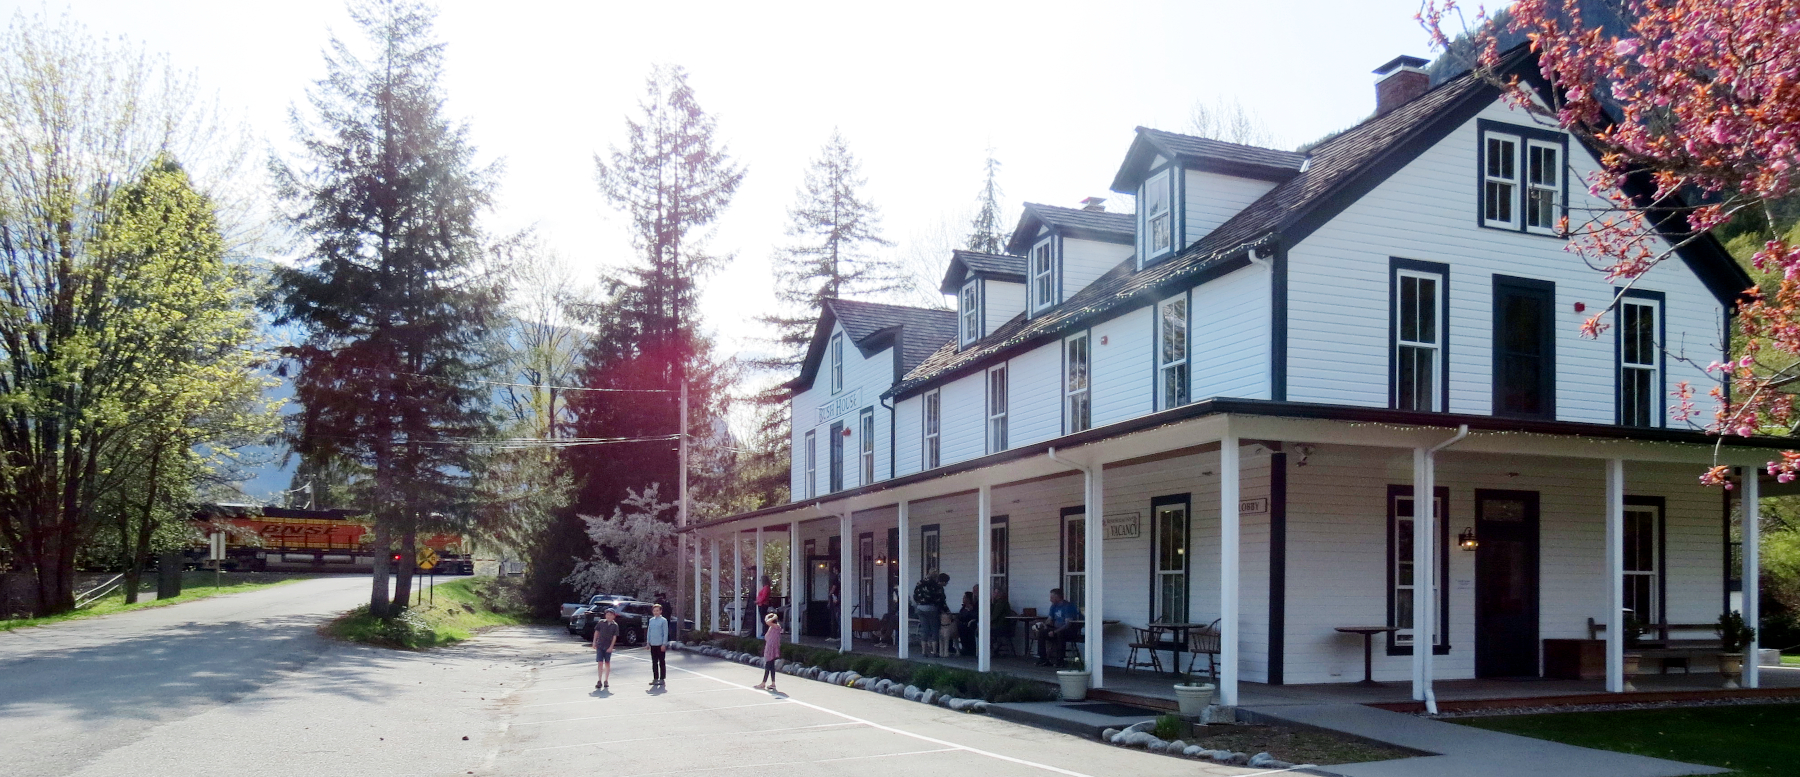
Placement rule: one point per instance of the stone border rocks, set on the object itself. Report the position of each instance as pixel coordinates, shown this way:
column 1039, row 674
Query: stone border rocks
column 1138, row 735
column 846, row 678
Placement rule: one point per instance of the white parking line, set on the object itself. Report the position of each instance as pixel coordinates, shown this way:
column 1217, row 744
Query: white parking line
column 693, row 736
column 804, row 763
column 891, row 729
column 647, row 714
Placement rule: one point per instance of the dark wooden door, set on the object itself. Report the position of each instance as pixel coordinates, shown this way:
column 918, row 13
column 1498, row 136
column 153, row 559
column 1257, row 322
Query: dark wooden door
column 1506, row 583
column 1524, row 348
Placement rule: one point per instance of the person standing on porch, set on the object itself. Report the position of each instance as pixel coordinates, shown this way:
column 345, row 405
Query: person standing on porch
column 771, row 651
column 606, row 635
column 928, row 601
column 656, row 635
column 1060, row 627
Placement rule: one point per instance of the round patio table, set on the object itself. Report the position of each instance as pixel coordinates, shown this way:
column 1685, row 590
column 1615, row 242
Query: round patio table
column 1368, row 634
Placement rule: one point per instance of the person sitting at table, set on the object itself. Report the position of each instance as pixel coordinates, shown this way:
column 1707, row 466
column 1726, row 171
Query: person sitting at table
column 1059, row 627
column 965, row 623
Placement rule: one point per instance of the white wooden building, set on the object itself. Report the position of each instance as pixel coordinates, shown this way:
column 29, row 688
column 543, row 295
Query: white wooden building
column 1220, row 408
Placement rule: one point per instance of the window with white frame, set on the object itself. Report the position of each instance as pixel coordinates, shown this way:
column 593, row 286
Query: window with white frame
column 836, row 471
column 931, row 555
column 1418, row 339
column 996, row 409
column 971, row 312
column 837, row 363
column 1403, row 581
column 1159, row 218
column 1074, row 578
column 812, row 465
column 1640, row 362
column 1043, row 276
column 1643, row 565
column 1500, row 180
column 865, row 429
column 932, row 412
column 1170, row 522
column 1000, row 556
column 1172, row 353
column 1077, row 397
column 1543, row 187
column 865, row 574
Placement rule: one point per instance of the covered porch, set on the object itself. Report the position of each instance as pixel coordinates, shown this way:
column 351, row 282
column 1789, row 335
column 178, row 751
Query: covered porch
column 1283, row 526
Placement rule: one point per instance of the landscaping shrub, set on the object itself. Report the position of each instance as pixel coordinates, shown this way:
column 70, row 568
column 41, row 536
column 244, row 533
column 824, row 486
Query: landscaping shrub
column 962, row 683
column 1168, row 727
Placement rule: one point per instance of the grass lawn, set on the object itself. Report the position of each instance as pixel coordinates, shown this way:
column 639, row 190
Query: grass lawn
column 194, row 585
column 1757, row 740
column 1787, row 660
column 462, row 609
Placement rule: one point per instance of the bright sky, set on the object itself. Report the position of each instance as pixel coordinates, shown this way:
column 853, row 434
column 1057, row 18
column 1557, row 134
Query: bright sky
column 920, row 91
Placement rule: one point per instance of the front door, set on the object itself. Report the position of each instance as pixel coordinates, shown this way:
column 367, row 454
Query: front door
column 1506, row 583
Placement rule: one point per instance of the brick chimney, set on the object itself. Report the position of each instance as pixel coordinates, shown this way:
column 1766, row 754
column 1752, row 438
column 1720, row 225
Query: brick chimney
column 1398, row 82
column 1096, row 204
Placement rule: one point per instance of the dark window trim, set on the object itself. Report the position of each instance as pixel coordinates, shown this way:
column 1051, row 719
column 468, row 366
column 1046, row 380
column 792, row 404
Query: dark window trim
column 1395, row 265
column 865, row 565
column 1443, row 534
column 1176, row 226
column 1032, row 308
column 1187, row 559
column 1000, row 522
column 1482, row 128
column 1062, row 548
column 865, row 428
column 1662, row 550
column 836, row 458
column 1661, row 392
column 834, row 351
column 1277, row 674
column 924, row 529
column 1549, row 375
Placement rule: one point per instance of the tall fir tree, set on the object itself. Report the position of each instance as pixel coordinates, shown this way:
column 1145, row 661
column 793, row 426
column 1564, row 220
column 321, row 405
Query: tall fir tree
column 835, row 234
column 987, row 233
column 391, row 293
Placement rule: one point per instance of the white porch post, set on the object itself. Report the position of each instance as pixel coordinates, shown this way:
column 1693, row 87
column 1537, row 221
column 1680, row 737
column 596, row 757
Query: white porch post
column 1615, row 576
column 712, row 616
column 1752, row 566
column 1095, row 537
column 903, row 650
column 984, row 630
column 737, row 581
column 846, row 574
column 791, row 581
column 1228, row 570
column 757, row 565
column 1424, row 563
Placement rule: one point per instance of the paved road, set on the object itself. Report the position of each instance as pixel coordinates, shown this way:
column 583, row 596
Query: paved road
column 242, row 684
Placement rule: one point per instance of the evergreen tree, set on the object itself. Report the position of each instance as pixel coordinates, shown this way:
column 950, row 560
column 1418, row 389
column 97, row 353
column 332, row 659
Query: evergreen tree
column 390, row 293
column 987, row 233
column 834, row 228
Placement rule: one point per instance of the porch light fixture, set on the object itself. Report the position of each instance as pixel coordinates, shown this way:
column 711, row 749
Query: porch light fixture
column 1466, row 540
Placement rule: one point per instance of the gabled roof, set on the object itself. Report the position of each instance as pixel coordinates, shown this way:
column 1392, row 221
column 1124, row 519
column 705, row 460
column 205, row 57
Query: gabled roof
column 1071, row 222
column 1005, row 267
column 914, row 332
column 1342, row 170
column 1216, row 156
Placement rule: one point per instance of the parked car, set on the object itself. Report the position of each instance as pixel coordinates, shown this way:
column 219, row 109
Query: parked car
column 567, row 614
column 633, row 614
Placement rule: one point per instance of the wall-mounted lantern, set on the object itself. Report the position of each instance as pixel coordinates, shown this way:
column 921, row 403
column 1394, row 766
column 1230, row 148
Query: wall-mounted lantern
column 1466, row 540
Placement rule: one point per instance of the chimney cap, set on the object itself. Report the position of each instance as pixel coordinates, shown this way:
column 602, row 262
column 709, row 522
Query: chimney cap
column 1402, row 62
column 1094, row 204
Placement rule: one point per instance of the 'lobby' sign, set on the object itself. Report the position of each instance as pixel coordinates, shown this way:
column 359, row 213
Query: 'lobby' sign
column 844, row 403
column 1123, row 526
column 1258, row 506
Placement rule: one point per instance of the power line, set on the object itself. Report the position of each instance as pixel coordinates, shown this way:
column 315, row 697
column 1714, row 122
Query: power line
column 539, row 386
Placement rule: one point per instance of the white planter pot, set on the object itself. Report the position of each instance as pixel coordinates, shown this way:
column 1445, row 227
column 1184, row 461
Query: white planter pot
column 1193, row 699
column 1731, row 665
column 1074, row 684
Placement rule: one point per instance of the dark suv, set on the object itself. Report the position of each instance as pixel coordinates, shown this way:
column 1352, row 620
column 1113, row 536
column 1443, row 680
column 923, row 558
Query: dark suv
column 632, row 617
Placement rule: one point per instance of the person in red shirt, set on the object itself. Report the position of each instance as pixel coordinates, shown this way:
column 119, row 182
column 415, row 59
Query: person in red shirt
column 763, row 599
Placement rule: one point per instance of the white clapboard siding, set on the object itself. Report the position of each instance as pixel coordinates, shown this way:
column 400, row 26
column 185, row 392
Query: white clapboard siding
column 964, row 419
column 1004, row 301
column 1338, row 281
column 1230, row 336
column 1085, row 260
column 1035, row 411
column 1213, row 198
column 909, row 436
column 864, row 377
column 1121, row 367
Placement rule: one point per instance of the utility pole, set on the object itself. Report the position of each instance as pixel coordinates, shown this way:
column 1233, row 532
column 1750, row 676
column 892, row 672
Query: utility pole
column 681, row 515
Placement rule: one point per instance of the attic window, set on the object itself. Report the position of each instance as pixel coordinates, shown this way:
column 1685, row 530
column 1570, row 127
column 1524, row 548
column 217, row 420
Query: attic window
column 1043, row 276
column 1524, row 186
column 1159, row 222
column 837, row 363
column 971, row 312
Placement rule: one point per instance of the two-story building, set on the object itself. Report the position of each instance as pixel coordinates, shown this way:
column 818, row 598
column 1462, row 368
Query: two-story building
column 1220, row 410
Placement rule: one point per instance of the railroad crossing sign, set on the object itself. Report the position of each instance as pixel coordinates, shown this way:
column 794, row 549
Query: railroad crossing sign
column 428, row 558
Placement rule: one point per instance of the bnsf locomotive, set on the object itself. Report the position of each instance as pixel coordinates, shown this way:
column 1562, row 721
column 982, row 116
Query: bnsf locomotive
column 289, row 539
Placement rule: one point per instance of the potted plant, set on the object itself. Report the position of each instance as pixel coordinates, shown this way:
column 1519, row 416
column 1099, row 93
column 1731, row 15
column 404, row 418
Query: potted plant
column 1193, row 696
column 1074, row 680
column 1633, row 632
column 1734, row 636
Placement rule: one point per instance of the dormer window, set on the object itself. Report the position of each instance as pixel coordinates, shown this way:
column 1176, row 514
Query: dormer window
column 1523, row 183
column 1159, row 219
column 971, row 312
column 837, row 363
column 1043, row 276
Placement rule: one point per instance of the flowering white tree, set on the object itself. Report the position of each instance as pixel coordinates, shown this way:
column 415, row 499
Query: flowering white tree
column 634, row 550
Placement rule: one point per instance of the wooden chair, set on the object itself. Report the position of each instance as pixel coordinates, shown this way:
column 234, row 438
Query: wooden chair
column 1147, row 640
column 1205, row 641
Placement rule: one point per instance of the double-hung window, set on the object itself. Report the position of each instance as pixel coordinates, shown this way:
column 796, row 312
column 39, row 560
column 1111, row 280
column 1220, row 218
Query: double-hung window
column 865, row 430
column 1077, row 398
column 1418, row 348
column 1524, row 174
column 837, row 363
column 1074, row 578
column 933, row 406
column 1170, row 522
column 1640, row 360
column 837, row 456
column 1172, row 353
column 812, row 466
column 1000, row 551
column 1043, row 275
column 996, row 409
column 930, row 551
column 971, row 312
column 1402, row 577
column 1159, row 218
column 1643, row 562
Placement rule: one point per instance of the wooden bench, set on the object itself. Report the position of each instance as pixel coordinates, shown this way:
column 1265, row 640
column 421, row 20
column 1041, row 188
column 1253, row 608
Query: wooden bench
column 1669, row 652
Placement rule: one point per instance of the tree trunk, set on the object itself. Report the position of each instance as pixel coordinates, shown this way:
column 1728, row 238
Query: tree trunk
column 409, row 543
column 378, row 597
column 134, row 566
column 126, row 558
